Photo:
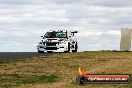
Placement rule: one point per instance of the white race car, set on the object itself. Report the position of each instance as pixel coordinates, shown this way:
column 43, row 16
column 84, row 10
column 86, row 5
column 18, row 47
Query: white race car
column 58, row 41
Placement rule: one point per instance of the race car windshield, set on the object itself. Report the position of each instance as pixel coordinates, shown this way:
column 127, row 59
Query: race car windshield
column 55, row 34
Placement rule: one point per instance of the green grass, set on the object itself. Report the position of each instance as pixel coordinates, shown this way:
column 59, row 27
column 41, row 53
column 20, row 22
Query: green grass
column 12, row 80
column 60, row 70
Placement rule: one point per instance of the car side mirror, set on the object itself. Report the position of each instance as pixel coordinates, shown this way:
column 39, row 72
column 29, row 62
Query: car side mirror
column 74, row 32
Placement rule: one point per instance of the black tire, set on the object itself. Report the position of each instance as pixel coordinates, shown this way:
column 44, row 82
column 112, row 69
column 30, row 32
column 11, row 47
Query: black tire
column 49, row 52
column 68, row 48
column 76, row 47
column 40, row 51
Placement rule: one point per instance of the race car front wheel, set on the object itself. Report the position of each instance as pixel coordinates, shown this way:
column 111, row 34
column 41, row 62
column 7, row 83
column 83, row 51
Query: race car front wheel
column 68, row 48
column 76, row 47
column 40, row 51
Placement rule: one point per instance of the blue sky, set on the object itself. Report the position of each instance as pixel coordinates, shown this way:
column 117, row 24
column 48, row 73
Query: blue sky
column 22, row 22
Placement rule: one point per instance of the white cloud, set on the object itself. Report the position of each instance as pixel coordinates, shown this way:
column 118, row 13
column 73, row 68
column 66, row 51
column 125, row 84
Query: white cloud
column 98, row 22
column 113, row 32
column 89, row 33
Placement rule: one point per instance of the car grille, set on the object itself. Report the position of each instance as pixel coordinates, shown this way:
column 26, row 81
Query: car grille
column 51, row 44
column 51, row 48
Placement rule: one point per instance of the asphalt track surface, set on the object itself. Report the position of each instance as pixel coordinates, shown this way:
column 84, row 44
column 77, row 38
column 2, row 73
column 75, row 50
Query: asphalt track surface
column 7, row 56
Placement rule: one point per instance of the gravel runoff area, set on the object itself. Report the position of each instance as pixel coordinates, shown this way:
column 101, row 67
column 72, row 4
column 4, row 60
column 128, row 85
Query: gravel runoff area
column 6, row 56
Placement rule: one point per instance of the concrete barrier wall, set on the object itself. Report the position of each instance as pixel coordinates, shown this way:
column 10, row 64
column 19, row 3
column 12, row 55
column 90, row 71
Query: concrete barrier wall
column 125, row 44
